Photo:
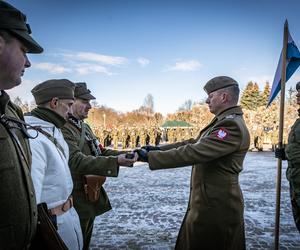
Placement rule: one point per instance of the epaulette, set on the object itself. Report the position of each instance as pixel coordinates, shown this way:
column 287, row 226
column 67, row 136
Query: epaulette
column 230, row 116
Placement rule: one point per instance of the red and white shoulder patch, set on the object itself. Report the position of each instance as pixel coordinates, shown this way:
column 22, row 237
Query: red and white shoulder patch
column 101, row 147
column 222, row 133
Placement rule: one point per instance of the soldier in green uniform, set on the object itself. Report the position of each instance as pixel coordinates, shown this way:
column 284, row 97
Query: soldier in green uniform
column 215, row 215
column 115, row 137
column 293, row 171
column 18, row 216
column 142, row 134
column 89, row 161
column 132, row 137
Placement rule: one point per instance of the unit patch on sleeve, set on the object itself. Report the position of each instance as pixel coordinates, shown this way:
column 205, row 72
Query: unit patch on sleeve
column 222, row 133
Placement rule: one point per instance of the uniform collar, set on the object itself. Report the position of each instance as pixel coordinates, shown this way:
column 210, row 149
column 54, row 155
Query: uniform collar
column 4, row 100
column 76, row 122
column 235, row 110
column 49, row 116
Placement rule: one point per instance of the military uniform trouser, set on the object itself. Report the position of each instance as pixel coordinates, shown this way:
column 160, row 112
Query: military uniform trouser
column 87, row 225
column 295, row 209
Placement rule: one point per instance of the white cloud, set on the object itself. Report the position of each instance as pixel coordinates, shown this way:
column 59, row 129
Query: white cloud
column 51, row 67
column 82, row 63
column 91, row 68
column 143, row 61
column 191, row 65
column 95, row 57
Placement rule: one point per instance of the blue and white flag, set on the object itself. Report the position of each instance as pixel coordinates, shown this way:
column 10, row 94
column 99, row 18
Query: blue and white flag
column 292, row 63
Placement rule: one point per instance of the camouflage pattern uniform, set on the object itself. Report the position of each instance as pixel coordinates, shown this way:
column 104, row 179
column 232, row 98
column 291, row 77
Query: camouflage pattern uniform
column 132, row 138
column 142, row 137
column 115, row 138
column 293, row 170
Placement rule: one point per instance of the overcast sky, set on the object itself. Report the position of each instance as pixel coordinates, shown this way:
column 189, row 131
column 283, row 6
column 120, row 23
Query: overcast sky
column 127, row 49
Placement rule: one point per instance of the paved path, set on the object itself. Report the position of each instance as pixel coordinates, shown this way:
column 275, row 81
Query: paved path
column 148, row 207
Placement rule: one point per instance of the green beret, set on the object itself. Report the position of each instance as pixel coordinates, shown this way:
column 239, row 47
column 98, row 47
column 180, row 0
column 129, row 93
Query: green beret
column 14, row 21
column 60, row 88
column 298, row 86
column 219, row 82
column 82, row 92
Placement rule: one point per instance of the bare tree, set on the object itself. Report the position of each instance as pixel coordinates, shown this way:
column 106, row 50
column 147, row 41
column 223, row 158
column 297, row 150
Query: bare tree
column 187, row 105
column 149, row 103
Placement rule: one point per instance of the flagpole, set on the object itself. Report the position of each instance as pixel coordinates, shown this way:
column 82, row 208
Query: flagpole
column 280, row 136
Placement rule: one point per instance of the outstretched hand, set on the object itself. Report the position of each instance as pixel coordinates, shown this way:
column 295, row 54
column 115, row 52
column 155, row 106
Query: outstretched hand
column 143, row 154
column 125, row 160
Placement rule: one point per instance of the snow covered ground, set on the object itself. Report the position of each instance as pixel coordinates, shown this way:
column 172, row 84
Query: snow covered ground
column 148, row 207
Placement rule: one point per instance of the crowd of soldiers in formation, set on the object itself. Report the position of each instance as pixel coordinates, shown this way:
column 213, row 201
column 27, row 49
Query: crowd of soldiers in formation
column 132, row 137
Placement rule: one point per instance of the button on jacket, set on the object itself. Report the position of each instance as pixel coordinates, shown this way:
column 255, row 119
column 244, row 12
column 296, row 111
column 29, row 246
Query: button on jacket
column 215, row 216
column 82, row 162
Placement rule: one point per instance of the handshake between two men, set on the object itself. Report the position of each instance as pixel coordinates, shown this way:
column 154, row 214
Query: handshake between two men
column 140, row 154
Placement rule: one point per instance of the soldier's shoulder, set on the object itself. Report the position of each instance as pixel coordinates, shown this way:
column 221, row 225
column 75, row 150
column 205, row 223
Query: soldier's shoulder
column 69, row 128
column 16, row 110
column 232, row 116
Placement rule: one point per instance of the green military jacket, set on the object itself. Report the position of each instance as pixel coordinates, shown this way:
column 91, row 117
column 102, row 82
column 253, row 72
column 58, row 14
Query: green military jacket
column 83, row 162
column 293, row 156
column 215, row 213
column 18, row 211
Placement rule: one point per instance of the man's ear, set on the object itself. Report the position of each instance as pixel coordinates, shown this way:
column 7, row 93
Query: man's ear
column 224, row 96
column 53, row 102
column 2, row 44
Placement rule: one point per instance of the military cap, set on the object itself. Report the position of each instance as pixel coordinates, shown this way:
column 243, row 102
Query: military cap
column 298, row 86
column 82, row 92
column 219, row 82
column 14, row 21
column 60, row 88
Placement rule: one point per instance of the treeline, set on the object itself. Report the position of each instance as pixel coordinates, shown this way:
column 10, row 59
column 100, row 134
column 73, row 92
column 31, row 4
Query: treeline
column 261, row 121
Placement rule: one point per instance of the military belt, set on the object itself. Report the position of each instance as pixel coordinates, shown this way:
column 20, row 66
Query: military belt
column 62, row 208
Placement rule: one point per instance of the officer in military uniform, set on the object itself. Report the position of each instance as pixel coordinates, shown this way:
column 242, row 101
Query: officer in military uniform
column 215, row 216
column 89, row 161
column 292, row 152
column 18, row 217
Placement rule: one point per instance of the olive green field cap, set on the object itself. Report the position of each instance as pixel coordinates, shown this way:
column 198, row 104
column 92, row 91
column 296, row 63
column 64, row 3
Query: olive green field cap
column 60, row 88
column 82, row 92
column 298, row 86
column 219, row 82
column 14, row 21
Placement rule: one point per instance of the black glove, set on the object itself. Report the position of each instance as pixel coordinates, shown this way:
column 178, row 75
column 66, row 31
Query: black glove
column 280, row 153
column 150, row 148
column 143, row 155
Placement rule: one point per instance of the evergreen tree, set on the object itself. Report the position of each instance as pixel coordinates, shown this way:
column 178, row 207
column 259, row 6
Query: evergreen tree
column 255, row 96
column 250, row 97
column 264, row 97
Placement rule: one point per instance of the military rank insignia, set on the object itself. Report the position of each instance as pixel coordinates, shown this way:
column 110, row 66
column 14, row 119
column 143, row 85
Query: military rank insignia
column 222, row 133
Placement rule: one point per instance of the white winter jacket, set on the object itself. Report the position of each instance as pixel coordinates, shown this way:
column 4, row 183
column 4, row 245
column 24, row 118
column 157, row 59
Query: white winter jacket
column 52, row 178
